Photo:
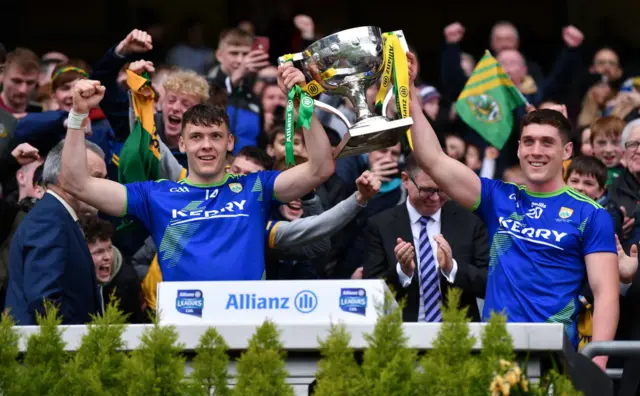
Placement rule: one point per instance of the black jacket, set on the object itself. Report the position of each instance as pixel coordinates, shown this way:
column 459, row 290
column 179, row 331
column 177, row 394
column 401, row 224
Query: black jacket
column 469, row 243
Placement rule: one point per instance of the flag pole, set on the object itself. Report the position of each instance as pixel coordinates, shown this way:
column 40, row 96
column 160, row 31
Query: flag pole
column 526, row 102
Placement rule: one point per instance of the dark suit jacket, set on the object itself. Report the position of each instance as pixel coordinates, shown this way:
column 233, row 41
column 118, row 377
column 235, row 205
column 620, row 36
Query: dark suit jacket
column 49, row 259
column 469, row 243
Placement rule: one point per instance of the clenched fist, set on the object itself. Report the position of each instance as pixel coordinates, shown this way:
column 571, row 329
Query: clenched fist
column 368, row 186
column 142, row 66
column 572, row 36
column 137, row 41
column 25, row 154
column 87, row 94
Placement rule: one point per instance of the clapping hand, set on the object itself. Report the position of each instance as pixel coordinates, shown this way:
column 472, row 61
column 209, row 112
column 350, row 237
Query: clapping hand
column 405, row 254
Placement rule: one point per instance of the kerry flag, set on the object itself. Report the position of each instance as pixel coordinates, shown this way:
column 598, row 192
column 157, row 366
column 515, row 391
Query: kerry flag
column 140, row 155
column 487, row 101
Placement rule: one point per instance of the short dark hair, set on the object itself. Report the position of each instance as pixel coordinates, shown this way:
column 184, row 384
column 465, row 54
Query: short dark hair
column 277, row 129
column 588, row 166
column 96, row 229
column 37, row 175
column 411, row 165
column 257, row 155
column 548, row 117
column 206, row 114
column 281, row 165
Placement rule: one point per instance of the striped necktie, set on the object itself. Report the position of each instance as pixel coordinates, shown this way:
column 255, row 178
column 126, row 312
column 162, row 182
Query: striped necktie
column 429, row 277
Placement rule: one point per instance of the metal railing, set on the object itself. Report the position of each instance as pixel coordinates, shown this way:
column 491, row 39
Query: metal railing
column 612, row 348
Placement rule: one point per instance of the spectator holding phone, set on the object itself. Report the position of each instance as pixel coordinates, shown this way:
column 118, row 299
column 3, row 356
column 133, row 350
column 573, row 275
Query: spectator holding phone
column 239, row 61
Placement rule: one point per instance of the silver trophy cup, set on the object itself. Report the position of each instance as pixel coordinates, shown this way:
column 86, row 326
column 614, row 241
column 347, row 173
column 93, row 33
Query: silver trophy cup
column 346, row 64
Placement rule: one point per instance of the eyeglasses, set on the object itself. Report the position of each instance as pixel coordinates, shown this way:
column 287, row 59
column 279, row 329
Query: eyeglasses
column 426, row 192
column 632, row 145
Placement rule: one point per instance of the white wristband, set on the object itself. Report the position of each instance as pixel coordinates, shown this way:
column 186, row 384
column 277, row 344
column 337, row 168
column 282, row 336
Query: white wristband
column 76, row 121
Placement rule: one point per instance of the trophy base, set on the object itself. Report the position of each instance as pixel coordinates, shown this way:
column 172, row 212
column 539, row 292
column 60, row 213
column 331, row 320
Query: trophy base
column 371, row 135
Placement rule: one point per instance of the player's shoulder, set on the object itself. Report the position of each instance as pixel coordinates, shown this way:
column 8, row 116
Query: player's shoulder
column 571, row 201
column 580, row 200
column 501, row 188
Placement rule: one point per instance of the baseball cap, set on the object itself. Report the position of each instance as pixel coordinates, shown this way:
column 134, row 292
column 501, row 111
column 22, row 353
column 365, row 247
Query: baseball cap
column 427, row 93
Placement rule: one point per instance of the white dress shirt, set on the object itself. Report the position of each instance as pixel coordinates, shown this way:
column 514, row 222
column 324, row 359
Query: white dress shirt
column 433, row 229
column 71, row 211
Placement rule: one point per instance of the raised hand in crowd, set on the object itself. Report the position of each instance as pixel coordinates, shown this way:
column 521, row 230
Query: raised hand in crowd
column 304, row 23
column 251, row 63
column 384, row 169
column 627, row 265
column 137, row 41
column 491, row 153
column 368, row 186
column 142, row 66
column 25, row 154
column 572, row 36
column 405, row 254
column 87, row 94
column 454, row 33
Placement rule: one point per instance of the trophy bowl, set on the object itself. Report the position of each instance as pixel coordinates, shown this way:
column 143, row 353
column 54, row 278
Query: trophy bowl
column 347, row 63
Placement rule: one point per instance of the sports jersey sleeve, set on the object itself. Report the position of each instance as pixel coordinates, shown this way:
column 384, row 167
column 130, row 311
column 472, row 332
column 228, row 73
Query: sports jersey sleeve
column 598, row 234
column 484, row 206
column 268, row 181
column 138, row 201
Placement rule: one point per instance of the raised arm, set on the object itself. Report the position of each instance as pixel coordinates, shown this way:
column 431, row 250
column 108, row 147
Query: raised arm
column 107, row 196
column 602, row 273
column 309, row 229
column 301, row 179
column 455, row 178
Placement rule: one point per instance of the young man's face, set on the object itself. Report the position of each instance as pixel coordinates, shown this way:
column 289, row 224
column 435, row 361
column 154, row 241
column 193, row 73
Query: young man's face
column 607, row 149
column 541, row 152
column 242, row 165
column 64, row 96
column 277, row 149
column 102, row 255
column 231, row 56
column 17, row 87
column 206, row 148
column 586, row 184
column 174, row 105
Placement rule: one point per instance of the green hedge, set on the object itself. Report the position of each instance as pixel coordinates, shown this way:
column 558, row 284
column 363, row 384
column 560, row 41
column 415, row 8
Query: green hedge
column 156, row 367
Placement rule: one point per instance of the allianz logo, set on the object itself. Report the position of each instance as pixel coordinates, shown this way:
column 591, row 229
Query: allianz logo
column 178, row 189
column 305, row 301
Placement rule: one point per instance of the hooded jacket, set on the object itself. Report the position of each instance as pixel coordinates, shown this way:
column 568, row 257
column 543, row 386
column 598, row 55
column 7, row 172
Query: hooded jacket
column 124, row 286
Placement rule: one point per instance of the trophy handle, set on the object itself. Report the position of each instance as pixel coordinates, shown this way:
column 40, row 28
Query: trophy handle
column 297, row 57
column 332, row 110
column 387, row 98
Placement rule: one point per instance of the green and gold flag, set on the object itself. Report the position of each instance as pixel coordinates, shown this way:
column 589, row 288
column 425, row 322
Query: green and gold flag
column 487, row 101
column 140, row 155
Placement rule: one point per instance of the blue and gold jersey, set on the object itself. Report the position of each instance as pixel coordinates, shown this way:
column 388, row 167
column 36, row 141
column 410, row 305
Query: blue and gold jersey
column 206, row 232
column 538, row 242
